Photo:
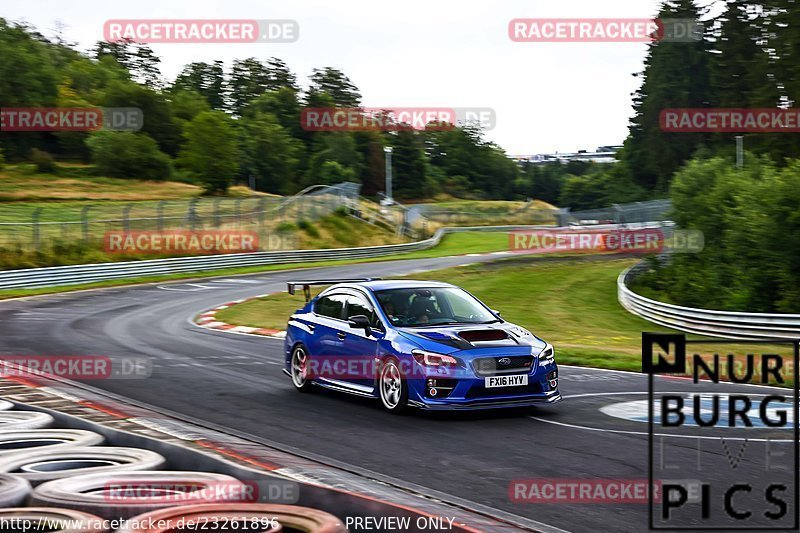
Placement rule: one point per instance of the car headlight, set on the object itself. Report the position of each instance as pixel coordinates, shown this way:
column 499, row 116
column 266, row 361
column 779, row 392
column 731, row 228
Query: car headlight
column 548, row 354
column 433, row 359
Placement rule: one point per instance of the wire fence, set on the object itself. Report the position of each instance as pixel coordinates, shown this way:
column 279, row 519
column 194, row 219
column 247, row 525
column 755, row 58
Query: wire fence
column 37, row 228
column 632, row 213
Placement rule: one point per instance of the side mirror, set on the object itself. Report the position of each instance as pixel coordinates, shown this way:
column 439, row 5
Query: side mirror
column 360, row 322
column 496, row 312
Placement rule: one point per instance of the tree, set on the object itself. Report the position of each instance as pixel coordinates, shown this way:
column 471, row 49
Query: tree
column 210, row 152
column 334, row 83
column 676, row 75
column 408, row 158
column 333, row 146
column 27, row 79
column 124, row 154
column 333, row 172
column 373, row 172
column 742, row 72
column 270, row 154
column 159, row 123
column 283, row 104
column 207, row 79
column 250, row 78
column 138, row 59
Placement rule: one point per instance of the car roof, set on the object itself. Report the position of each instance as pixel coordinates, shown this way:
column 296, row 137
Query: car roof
column 380, row 285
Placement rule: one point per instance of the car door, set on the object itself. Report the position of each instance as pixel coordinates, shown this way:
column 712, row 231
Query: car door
column 360, row 347
column 326, row 341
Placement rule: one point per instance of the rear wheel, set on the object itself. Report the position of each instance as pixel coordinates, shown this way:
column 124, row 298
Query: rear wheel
column 393, row 387
column 299, row 369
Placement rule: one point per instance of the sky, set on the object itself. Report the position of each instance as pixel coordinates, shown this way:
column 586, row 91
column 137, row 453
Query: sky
column 547, row 97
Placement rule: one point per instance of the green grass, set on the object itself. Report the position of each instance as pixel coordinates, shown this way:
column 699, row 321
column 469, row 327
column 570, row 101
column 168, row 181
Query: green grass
column 451, row 245
column 77, row 183
column 488, row 212
column 570, row 303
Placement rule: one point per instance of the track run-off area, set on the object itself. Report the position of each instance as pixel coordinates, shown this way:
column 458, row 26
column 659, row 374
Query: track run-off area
column 235, row 381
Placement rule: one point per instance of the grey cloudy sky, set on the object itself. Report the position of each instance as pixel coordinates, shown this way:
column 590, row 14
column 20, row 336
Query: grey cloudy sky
column 425, row 53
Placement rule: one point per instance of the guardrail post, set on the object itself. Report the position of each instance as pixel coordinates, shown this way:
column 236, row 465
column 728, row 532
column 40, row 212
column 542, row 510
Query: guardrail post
column 217, row 220
column 160, row 216
column 619, row 215
column 126, row 218
column 85, row 222
column 299, row 206
column 262, row 210
column 238, row 211
column 36, row 237
column 191, row 214
column 562, row 217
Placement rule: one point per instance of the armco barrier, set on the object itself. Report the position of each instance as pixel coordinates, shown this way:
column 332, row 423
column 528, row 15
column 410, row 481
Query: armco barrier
column 752, row 326
column 32, row 278
column 76, row 274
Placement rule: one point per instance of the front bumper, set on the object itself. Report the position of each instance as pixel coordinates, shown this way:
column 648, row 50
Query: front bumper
column 464, row 389
column 469, row 405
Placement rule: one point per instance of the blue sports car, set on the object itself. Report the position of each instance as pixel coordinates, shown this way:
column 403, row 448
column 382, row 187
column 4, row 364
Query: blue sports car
column 420, row 344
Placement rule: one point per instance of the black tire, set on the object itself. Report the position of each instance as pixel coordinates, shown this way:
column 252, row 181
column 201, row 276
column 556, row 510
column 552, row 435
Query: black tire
column 14, row 490
column 38, row 467
column 94, row 493
column 45, row 440
column 392, row 387
column 300, row 382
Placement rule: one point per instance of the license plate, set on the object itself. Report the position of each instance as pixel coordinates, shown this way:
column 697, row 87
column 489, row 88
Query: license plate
column 506, row 381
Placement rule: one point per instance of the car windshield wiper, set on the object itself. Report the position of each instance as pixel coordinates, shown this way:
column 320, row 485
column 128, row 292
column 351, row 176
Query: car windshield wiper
column 489, row 321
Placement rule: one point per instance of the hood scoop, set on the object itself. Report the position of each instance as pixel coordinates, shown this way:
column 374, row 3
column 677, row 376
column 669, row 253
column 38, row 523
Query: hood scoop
column 481, row 336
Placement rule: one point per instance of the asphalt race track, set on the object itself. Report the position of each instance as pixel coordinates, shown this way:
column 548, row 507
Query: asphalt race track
column 236, row 381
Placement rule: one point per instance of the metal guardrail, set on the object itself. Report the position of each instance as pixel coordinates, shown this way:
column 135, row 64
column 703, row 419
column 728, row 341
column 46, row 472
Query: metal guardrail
column 78, row 274
column 750, row 326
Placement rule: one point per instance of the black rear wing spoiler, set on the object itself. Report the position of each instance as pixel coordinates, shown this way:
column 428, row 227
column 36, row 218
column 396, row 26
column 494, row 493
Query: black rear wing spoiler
column 306, row 285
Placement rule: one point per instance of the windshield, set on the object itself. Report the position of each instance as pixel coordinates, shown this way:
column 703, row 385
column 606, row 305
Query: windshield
column 432, row 306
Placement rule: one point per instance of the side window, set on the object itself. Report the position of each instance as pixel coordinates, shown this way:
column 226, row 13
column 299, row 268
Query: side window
column 358, row 306
column 330, row 306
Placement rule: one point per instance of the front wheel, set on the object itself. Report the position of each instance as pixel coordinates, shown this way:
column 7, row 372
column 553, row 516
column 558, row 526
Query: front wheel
column 299, row 369
column 393, row 388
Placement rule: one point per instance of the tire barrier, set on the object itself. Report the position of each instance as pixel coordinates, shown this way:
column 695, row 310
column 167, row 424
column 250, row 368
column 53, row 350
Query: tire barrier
column 40, row 466
column 14, row 490
column 240, row 517
column 15, row 441
column 126, row 494
column 43, row 519
column 18, row 420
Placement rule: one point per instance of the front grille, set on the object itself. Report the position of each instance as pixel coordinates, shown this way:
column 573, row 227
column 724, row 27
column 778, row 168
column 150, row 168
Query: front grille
column 491, row 366
column 479, row 391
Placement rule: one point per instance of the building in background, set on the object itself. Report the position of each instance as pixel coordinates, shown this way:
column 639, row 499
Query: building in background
column 603, row 154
